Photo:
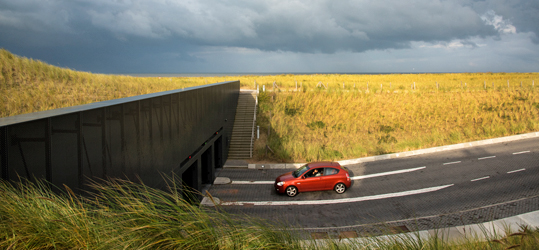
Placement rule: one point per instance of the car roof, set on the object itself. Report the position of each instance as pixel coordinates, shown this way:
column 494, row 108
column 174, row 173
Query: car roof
column 323, row 164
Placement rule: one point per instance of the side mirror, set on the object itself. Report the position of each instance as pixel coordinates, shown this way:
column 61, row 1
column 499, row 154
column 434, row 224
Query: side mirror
column 303, row 177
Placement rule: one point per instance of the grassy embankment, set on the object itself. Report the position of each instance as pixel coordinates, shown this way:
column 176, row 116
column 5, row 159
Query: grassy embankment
column 124, row 215
column 28, row 85
column 315, row 123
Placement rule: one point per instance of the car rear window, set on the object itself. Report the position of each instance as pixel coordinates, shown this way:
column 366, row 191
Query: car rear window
column 330, row 171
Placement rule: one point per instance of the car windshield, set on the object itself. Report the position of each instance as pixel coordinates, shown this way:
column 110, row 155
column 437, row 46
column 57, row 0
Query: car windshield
column 300, row 171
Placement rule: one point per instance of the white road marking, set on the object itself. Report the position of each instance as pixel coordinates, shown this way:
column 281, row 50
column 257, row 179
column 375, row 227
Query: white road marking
column 482, row 178
column 336, row 201
column 521, row 152
column 252, row 182
column 353, row 178
column 518, row 170
column 488, row 157
column 386, row 173
column 449, row 163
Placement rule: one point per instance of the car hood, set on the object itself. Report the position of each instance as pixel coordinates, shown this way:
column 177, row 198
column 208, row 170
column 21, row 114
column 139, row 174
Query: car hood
column 285, row 177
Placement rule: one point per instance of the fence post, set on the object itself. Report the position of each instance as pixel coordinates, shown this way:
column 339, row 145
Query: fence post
column 255, row 83
column 257, row 132
column 263, row 88
column 269, row 125
column 343, row 85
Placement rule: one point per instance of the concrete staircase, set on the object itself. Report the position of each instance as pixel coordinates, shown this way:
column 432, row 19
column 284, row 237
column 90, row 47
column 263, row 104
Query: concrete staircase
column 242, row 133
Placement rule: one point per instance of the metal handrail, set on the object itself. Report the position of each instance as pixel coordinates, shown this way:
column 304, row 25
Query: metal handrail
column 253, row 128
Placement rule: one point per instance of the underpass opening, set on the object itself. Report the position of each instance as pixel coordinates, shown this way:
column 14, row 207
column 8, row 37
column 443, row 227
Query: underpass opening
column 208, row 167
column 218, row 152
column 190, row 180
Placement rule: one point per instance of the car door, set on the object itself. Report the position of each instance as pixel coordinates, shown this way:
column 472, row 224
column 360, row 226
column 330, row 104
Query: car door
column 330, row 178
column 310, row 182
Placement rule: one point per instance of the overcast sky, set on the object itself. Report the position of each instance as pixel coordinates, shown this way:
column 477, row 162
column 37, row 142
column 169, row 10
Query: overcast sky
column 197, row 36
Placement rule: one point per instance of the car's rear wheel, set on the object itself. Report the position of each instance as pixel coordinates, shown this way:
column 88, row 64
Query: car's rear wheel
column 291, row 191
column 340, row 188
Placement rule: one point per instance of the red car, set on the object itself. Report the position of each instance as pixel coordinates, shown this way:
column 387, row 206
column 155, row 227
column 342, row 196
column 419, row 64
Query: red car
column 314, row 176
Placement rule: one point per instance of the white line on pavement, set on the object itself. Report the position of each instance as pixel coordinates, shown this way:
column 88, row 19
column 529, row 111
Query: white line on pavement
column 353, row 178
column 449, row 163
column 336, row 201
column 521, row 152
column 488, row 157
column 518, row 170
column 482, row 178
column 386, row 173
column 252, row 182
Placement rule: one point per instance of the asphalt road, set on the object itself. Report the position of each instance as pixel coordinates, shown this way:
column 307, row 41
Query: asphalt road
column 435, row 190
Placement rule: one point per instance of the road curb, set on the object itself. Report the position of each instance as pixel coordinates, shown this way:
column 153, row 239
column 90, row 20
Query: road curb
column 483, row 231
column 402, row 154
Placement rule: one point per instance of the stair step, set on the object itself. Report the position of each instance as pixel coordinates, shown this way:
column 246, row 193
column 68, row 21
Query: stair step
column 239, row 153
column 242, row 130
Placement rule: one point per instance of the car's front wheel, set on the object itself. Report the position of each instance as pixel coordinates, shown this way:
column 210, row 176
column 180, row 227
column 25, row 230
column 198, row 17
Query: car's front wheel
column 340, row 188
column 291, row 191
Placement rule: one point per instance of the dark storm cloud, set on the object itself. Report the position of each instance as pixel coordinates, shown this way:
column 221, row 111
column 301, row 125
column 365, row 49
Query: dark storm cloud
column 303, row 26
column 131, row 33
column 300, row 26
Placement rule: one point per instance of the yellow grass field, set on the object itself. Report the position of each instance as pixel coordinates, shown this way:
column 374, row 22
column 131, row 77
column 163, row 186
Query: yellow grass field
column 334, row 125
column 319, row 116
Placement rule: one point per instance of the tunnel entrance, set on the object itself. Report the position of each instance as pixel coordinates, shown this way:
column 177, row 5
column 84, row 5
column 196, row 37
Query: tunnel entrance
column 207, row 166
column 190, row 183
column 218, row 152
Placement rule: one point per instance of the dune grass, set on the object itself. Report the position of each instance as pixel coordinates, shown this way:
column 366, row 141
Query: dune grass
column 334, row 124
column 120, row 214
column 28, row 85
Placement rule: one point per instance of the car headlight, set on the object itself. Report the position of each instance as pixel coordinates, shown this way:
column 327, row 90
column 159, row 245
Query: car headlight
column 281, row 183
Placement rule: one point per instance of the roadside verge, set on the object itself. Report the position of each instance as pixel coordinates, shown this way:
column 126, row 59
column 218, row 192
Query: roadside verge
column 244, row 164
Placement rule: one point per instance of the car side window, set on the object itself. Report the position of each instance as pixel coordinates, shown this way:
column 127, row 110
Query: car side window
column 330, row 171
column 315, row 172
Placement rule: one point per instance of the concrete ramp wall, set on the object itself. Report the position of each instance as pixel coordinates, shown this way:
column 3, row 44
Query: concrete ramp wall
column 184, row 132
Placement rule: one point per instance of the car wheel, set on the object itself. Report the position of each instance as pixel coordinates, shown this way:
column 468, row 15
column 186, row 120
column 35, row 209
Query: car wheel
column 340, row 188
column 291, row 191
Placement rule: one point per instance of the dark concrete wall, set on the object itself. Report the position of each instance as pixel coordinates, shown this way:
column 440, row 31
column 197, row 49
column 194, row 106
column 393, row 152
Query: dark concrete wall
column 136, row 137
